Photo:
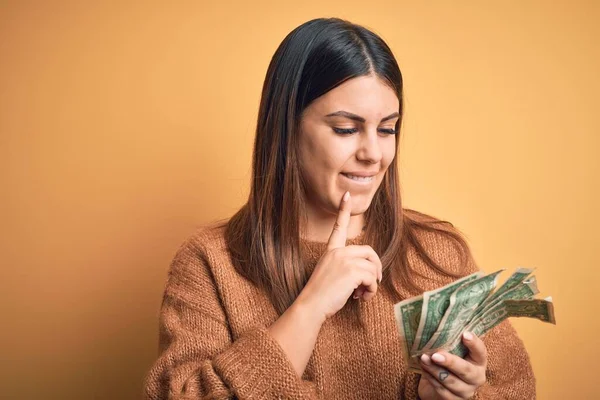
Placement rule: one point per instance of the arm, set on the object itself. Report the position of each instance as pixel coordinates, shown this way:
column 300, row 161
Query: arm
column 508, row 372
column 199, row 360
column 296, row 332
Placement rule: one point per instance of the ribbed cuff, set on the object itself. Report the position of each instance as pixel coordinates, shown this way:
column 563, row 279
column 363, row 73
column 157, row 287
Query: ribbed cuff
column 256, row 367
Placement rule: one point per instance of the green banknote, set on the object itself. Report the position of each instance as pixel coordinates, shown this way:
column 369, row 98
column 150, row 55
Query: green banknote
column 436, row 319
column 435, row 304
column 408, row 315
column 463, row 304
column 524, row 290
column 542, row 309
column 514, row 280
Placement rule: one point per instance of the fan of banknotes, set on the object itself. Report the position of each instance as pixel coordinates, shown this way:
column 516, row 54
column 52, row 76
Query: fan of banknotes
column 436, row 320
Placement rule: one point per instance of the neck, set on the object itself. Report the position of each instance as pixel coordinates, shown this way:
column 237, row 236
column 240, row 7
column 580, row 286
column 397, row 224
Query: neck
column 319, row 225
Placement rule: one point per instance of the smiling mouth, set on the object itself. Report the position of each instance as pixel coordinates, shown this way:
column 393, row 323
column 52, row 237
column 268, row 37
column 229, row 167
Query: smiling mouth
column 360, row 179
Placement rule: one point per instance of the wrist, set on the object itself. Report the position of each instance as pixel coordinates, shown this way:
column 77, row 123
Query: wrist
column 307, row 313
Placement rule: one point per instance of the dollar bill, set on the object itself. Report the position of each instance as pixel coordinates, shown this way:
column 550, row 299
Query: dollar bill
column 514, row 280
column 436, row 319
column 524, row 290
column 435, row 304
column 463, row 304
column 408, row 315
column 542, row 309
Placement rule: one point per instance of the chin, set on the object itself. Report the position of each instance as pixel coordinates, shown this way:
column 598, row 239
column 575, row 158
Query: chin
column 360, row 207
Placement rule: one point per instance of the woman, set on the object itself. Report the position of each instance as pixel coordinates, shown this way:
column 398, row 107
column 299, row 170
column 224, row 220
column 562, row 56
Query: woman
column 292, row 298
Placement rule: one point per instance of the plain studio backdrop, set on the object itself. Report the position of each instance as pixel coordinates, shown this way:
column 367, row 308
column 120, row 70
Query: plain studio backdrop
column 125, row 126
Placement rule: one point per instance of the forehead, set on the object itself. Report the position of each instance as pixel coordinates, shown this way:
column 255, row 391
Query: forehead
column 367, row 96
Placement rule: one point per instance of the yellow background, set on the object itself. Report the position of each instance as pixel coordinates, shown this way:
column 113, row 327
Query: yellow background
column 123, row 127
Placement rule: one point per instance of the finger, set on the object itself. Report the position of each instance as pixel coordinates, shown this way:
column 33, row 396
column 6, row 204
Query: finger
column 367, row 252
column 340, row 228
column 369, row 294
column 477, row 349
column 358, row 293
column 367, row 281
column 366, row 265
column 440, row 389
column 463, row 369
column 446, row 378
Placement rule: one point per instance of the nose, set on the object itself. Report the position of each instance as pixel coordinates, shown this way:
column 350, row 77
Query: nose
column 369, row 148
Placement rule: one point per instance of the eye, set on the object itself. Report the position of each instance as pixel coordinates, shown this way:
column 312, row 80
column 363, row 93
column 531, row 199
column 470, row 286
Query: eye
column 345, row 131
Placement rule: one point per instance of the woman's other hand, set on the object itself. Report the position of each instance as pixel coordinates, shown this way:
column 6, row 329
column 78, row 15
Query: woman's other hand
column 446, row 376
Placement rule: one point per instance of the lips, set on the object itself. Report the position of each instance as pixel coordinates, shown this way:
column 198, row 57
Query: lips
column 360, row 173
column 359, row 179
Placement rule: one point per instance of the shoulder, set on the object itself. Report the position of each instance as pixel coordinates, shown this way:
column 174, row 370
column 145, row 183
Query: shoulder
column 432, row 239
column 197, row 254
column 203, row 242
column 191, row 276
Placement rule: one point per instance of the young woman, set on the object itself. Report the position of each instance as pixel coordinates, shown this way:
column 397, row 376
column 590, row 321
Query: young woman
column 292, row 297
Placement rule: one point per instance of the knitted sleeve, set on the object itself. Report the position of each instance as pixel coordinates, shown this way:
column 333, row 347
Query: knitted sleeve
column 509, row 373
column 197, row 357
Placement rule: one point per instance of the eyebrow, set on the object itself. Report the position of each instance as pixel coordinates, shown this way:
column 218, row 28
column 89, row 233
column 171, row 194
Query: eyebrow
column 358, row 118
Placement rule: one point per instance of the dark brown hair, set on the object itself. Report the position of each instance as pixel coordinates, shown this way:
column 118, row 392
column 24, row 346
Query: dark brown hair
column 263, row 237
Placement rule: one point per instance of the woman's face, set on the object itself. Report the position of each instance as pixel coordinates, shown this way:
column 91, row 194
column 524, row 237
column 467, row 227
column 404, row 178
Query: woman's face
column 348, row 131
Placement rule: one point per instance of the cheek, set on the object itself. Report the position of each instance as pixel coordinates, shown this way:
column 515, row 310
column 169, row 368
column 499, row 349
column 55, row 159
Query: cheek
column 389, row 152
column 322, row 159
column 318, row 166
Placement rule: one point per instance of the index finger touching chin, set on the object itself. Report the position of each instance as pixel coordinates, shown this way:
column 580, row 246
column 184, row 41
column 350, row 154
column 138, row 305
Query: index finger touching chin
column 339, row 233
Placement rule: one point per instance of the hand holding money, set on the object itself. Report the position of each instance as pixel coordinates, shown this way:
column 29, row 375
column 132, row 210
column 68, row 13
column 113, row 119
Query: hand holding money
column 447, row 376
column 436, row 320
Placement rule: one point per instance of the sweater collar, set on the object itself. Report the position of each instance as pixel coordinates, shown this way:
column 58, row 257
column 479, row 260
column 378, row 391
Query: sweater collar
column 314, row 250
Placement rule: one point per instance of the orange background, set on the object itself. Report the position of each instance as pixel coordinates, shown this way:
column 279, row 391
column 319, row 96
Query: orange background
column 123, row 127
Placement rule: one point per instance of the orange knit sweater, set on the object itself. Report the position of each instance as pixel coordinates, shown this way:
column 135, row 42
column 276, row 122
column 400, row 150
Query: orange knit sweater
column 214, row 342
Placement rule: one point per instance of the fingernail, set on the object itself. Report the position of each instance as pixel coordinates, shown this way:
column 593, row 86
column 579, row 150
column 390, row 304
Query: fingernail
column 425, row 359
column 468, row 336
column 437, row 357
column 346, row 196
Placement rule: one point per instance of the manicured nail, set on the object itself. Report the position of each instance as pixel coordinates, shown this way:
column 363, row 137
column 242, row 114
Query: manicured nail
column 437, row 357
column 468, row 336
column 425, row 359
column 346, row 196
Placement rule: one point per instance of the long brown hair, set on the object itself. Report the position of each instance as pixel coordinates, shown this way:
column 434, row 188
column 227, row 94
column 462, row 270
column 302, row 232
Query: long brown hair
column 263, row 237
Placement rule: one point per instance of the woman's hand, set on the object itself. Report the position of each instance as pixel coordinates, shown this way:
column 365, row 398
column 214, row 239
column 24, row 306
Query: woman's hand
column 341, row 271
column 446, row 376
